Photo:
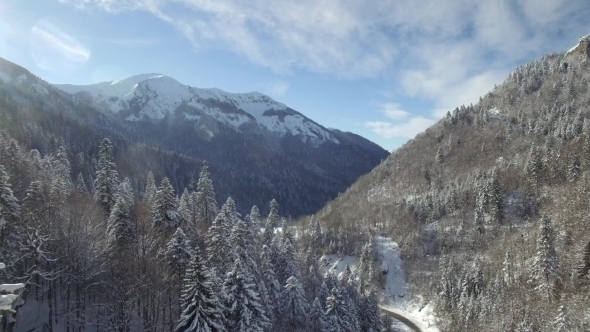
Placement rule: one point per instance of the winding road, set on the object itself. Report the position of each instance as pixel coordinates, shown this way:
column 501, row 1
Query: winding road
column 406, row 321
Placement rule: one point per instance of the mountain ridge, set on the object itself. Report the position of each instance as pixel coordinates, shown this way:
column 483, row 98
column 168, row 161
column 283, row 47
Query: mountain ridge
column 156, row 96
column 252, row 161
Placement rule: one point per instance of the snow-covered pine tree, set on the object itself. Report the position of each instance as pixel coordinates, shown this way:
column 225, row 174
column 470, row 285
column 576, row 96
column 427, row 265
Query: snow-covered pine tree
column 150, row 189
column 9, row 207
column 185, row 211
column 81, row 184
column 289, row 263
column 545, row 268
column 218, row 248
column 273, row 216
column 563, row 322
column 317, row 317
column 337, row 312
column 125, row 190
column 534, row 164
column 527, row 324
column 294, row 305
column 163, row 211
column 267, row 270
column 178, row 253
column 106, row 182
column 495, row 198
column 255, row 217
column 245, row 310
column 202, row 309
column 120, row 229
column 440, row 156
column 205, row 203
column 369, row 314
column 243, row 246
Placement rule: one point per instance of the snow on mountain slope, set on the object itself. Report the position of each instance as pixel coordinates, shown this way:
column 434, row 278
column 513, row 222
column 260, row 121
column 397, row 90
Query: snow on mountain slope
column 155, row 96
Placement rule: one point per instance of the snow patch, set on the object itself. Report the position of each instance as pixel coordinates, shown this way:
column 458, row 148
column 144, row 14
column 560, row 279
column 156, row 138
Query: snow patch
column 192, row 117
column 4, row 77
column 394, row 295
column 336, row 265
column 21, row 79
column 160, row 95
column 39, row 88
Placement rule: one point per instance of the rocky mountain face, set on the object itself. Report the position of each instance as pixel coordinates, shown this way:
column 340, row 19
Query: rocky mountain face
column 490, row 204
column 257, row 147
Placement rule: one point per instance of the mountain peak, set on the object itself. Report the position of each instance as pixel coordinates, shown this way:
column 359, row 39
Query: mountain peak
column 156, row 96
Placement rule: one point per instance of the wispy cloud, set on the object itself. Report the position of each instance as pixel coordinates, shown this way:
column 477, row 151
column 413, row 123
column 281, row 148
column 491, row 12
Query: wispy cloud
column 53, row 48
column 448, row 52
column 134, row 42
column 406, row 130
column 278, row 88
column 393, row 111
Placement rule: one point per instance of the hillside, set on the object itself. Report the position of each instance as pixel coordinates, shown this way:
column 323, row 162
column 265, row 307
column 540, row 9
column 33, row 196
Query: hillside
column 257, row 148
column 490, row 204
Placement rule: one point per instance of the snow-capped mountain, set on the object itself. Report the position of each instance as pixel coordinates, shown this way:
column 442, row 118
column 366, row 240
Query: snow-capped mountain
column 257, row 148
column 156, row 96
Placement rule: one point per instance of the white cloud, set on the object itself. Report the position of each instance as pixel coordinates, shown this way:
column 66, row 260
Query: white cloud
column 448, row 52
column 133, row 41
column 406, row 130
column 278, row 88
column 393, row 111
column 359, row 38
column 55, row 49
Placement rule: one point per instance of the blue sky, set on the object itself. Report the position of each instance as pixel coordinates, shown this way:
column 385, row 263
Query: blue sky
column 384, row 69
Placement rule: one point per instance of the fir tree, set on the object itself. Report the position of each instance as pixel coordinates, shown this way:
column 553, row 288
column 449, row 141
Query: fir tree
column 243, row 246
column 440, row 156
column 289, row 263
column 273, row 217
column 125, row 190
column 205, row 202
column 545, row 263
column 185, row 211
column 295, row 305
column 317, row 317
column 178, row 252
column 120, row 229
column 81, row 184
column 202, row 310
column 245, row 310
column 270, row 280
column 150, row 189
column 337, row 312
column 369, row 314
column 163, row 211
column 218, row 248
column 106, row 182
column 562, row 322
column 9, row 207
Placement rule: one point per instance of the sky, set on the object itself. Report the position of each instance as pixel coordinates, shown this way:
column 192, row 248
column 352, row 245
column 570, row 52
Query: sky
column 383, row 69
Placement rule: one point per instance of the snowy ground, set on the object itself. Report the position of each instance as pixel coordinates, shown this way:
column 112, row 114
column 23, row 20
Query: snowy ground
column 394, row 296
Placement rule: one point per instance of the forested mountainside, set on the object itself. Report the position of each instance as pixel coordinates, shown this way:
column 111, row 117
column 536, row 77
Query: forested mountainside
column 256, row 148
column 491, row 204
column 121, row 234
column 100, row 258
